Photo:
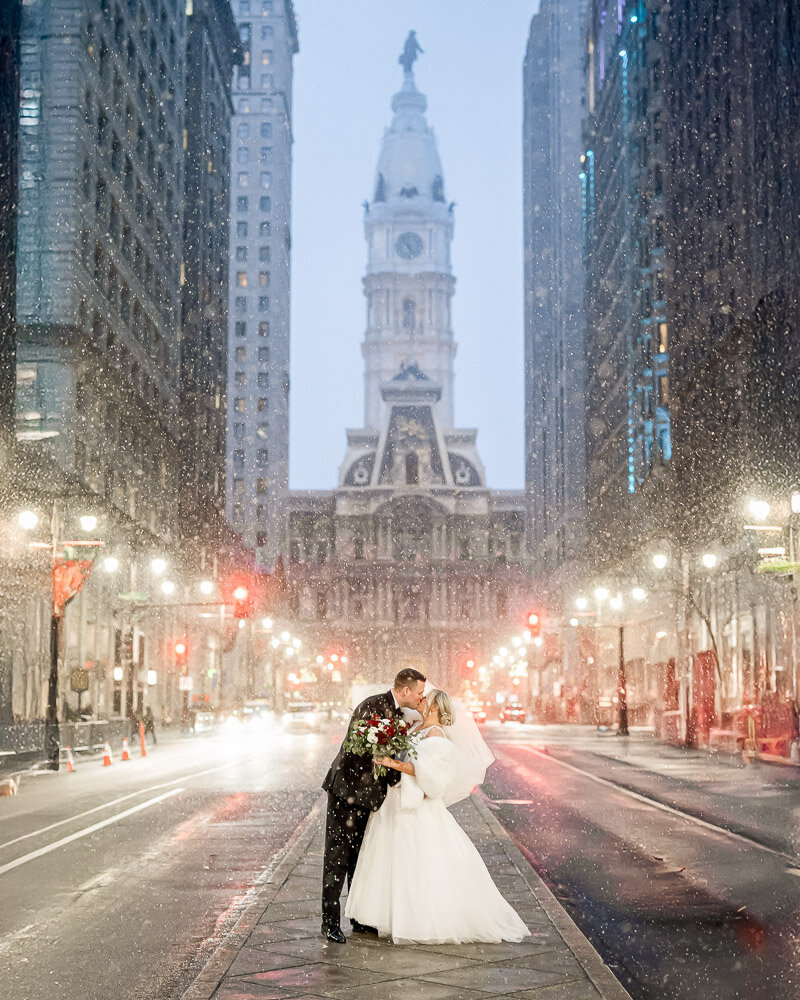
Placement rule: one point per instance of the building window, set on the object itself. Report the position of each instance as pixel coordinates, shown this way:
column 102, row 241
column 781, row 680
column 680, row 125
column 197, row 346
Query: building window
column 240, row 328
column 266, row 57
column 409, row 314
column 266, row 179
column 238, row 460
column 358, row 548
column 241, row 253
column 261, row 485
column 412, row 469
column 262, row 404
column 263, row 328
column 266, row 81
column 238, row 432
column 241, row 203
column 243, row 106
column 241, row 279
column 242, row 155
column 243, row 179
column 265, row 203
column 261, row 513
column 264, row 229
column 264, row 255
column 244, row 130
column 241, row 354
column 263, row 431
column 266, row 154
column 266, row 32
column 238, row 487
column 262, row 458
column 239, row 404
column 241, row 230
column 263, row 355
column 263, row 303
column 263, row 279
column 240, row 304
column 240, row 379
column 265, row 130
column 263, row 380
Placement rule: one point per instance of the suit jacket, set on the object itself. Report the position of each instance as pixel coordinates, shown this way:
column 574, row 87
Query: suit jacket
column 350, row 777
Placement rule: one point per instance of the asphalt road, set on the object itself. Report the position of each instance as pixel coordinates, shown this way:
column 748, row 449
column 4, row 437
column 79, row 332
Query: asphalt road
column 118, row 882
column 684, row 876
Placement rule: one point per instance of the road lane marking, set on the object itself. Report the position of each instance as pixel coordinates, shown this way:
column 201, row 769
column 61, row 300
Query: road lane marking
column 125, row 798
column 656, row 804
column 39, row 852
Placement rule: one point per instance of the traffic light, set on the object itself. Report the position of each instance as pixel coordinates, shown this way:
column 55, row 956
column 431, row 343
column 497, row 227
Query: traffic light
column 239, row 593
column 534, row 624
column 181, row 652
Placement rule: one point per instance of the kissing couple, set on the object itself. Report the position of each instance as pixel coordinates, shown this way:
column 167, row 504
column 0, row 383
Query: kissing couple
column 413, row 874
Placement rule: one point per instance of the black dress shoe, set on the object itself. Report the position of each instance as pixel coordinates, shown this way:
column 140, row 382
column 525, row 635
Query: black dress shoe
column 362, row 928
column 334, row 934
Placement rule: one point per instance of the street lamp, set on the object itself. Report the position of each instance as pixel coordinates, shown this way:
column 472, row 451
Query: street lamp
column 759, row 509
column 88, row 522
column 167, row 587
column 660, row 560
column 601, row 594
column 158, row 566
column 616, row 602
column 111, row 564
column 638, row 593
column 709, row 560
column 206, row 587
column 28, row 520
column 581, row 603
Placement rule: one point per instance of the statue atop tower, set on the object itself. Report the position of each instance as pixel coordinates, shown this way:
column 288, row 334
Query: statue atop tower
column 411, row 51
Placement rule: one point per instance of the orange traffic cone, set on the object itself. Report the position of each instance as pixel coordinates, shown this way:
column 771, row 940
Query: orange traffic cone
column 70, row 761
column 107, row 761
column 125, row 754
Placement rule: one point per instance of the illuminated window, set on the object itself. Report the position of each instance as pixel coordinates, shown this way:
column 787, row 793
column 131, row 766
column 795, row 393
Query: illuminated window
column 244, row 179
column 239, row 404
column 266, row 57
column 241, row 279
column 262, row 404
column 266, row 179
column 266, row 81
column 263, row 278
column 663, row 389
column 663, row 340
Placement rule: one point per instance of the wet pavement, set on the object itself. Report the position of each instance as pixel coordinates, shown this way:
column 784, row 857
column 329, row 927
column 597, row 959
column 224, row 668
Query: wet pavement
column 276, row 951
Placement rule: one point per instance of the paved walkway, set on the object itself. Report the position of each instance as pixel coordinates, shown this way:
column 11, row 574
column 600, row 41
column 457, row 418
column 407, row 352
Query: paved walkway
column 276, row 949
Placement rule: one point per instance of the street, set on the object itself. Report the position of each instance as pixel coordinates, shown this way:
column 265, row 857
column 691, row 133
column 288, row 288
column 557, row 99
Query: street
column 641, row 855
column 120, row 881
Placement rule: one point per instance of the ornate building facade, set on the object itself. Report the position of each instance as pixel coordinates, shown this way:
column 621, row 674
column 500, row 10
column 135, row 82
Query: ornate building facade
column 412, row 560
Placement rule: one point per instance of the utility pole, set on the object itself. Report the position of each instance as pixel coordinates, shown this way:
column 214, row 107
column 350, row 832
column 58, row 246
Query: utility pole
column 622, row 730
column 52, row 736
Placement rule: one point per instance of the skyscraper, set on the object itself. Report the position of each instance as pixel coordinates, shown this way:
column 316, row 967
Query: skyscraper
column 627, row 343
column 258, row 341
column 555, row 459
column 212, row 52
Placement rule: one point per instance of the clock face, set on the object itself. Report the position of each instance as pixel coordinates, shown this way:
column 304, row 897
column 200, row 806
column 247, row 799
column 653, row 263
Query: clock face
column 408, row 245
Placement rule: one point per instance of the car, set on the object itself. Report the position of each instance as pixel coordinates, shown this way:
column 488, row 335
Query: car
column 479, row 713
column 513, row 713
column 301, row 716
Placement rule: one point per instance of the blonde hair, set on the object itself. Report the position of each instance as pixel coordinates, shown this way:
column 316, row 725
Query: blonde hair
column 444, row 706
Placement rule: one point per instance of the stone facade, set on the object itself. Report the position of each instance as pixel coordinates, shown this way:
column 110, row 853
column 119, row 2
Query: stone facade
column 412, row 559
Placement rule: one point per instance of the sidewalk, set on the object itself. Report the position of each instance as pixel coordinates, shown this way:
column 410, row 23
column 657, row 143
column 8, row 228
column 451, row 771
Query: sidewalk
column 758, row 800
column 276, row 949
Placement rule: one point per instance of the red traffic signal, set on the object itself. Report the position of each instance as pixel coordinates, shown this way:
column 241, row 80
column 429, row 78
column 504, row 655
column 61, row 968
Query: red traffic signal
column 181, row 652
column 534, row 623
column 239, row 592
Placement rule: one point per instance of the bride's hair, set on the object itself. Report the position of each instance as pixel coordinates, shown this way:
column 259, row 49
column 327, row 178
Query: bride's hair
column 444, row 706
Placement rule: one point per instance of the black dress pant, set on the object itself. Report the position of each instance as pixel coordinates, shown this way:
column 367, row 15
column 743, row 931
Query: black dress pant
column 344, row 831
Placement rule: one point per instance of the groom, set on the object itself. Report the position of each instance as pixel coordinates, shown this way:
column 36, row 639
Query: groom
column 353, row 793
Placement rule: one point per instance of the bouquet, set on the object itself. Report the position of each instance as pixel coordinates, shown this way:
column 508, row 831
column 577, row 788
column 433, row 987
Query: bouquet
column 380, row 738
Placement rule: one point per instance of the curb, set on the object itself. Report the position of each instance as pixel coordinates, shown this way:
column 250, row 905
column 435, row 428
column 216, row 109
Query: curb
column 266, row 888
column 600, row 975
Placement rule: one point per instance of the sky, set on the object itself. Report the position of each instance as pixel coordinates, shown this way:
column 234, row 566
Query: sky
column 344, row 77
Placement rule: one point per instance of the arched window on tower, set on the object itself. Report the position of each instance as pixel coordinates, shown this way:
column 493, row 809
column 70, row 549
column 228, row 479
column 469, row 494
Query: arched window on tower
column 409, row 314
column 412, row 469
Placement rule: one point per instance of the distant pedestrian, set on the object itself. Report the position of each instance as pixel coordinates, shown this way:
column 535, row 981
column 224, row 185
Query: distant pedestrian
column 149, row 723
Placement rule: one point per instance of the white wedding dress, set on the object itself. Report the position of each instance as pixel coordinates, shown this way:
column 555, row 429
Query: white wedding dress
column 419, row 878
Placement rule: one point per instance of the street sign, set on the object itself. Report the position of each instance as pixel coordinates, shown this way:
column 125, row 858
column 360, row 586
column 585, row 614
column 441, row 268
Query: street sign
column 79, row 679
column 132, row 595
column 185, row 683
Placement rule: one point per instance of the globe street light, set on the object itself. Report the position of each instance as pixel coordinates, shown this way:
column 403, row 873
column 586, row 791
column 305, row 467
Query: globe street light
column 88, row 522
column 601, row 594
column 158, row 566
column 759, row 509
column 660, row 560
column 616, row 602
column 206, row 587
column 111, row 564
column 581, row 603
column 709, row 560
column 638, row 593
column 167, row 587
column 28, row 520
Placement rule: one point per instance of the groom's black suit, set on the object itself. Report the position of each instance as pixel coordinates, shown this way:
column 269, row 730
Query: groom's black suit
column 353, row 793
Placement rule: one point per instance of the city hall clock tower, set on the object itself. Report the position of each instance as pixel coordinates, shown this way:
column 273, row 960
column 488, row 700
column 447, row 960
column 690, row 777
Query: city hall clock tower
column 409, row 283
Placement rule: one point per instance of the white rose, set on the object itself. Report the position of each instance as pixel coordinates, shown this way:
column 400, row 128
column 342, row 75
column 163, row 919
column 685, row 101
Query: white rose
column 372, row 737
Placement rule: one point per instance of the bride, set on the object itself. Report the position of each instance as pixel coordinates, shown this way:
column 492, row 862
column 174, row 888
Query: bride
column 419, row 878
